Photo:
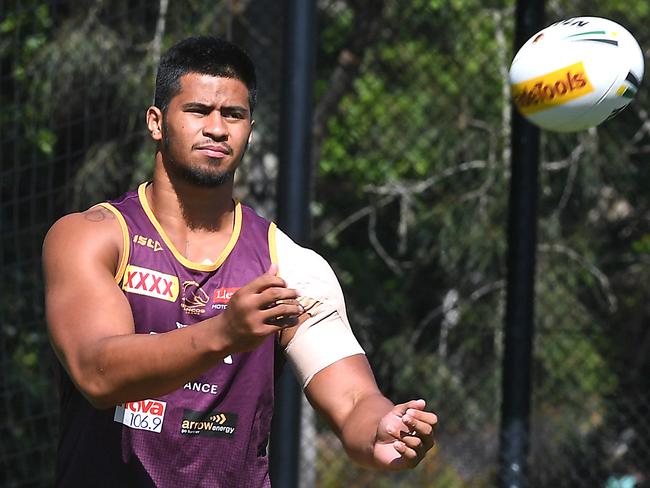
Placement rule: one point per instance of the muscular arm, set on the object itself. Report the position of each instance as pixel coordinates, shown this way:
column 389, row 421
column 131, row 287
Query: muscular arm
column 91, row 326
column 336, row 376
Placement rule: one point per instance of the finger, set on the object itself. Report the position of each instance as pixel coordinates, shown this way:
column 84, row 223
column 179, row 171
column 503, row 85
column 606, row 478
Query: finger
column 401, row 408
column 290, row 301
column 413, row 442
column 423, row 430
column 275, row 295
column 261, row 283
column 269, row 278
column 396, row 427
column 418, row 441
column 283, row 315
column 283, row 321
column 405, row 451
column 422, row 422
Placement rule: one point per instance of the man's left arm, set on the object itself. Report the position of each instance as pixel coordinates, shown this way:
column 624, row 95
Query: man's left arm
column 374, row 432
column 335, row 374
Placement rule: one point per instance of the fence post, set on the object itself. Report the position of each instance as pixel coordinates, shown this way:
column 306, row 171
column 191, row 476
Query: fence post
column 522, row 243
column 293, row 210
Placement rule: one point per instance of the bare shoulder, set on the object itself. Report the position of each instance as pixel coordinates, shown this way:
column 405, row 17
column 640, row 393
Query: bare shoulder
column 94, row 234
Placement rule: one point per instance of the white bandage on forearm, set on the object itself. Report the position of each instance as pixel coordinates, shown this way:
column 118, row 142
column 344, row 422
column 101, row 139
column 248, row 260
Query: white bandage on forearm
column 320, row 341
column 326, row 337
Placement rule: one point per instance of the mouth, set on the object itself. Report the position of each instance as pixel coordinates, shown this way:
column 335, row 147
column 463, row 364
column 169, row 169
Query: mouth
column 214, row 150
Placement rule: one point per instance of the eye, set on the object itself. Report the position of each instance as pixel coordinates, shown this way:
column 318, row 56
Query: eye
column 198, row 111
column 233, row 114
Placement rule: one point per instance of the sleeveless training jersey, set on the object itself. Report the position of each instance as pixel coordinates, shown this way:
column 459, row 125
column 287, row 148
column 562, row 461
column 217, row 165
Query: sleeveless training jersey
column 213, row 431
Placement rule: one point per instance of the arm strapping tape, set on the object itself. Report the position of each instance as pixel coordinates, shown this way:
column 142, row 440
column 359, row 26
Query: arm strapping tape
column 326, row 337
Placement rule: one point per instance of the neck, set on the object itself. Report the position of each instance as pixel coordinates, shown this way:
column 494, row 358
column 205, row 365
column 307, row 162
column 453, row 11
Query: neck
column 179, row 205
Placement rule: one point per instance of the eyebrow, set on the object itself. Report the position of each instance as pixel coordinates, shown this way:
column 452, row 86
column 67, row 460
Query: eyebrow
column 191, row 105
column 235, row 108
column 208, row 106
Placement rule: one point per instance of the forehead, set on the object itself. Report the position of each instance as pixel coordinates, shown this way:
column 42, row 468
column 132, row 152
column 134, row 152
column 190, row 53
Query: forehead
column 209, row 89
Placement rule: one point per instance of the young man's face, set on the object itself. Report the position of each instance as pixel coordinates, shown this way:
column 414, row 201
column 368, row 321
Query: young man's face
column 206, row 129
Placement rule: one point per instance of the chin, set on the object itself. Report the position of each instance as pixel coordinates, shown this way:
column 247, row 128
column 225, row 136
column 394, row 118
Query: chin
column 206, row 178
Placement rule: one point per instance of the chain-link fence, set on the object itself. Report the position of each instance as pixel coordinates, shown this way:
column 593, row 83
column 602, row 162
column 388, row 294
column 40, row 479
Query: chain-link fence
column 411, row 155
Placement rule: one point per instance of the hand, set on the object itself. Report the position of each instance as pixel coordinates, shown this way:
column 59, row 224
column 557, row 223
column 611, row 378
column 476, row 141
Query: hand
column 404, row 435
column 258, row 309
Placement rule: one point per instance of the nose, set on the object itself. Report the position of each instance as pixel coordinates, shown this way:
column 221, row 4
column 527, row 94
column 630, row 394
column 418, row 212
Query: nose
column 215, row 126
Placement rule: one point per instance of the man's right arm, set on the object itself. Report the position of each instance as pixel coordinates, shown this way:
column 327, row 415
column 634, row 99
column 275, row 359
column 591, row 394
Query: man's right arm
column 91, row 326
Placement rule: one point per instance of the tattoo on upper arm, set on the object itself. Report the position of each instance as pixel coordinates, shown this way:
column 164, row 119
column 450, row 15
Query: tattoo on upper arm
column 98, row 214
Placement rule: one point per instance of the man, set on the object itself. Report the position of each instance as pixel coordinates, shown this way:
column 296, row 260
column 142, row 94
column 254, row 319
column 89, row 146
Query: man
column 167, row 306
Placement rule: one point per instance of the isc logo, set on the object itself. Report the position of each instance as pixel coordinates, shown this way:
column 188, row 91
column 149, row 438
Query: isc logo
column 151, row 283
column 147, row 242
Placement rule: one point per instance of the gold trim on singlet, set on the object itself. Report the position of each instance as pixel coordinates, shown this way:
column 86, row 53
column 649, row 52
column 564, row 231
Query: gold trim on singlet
column 273, row 248
column 182, row 259
column 126, row 240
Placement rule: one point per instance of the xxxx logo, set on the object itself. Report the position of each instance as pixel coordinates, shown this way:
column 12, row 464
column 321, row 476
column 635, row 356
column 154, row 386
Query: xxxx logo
column 151, row 283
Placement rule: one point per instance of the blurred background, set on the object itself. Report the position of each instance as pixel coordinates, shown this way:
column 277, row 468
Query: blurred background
column 411, row 159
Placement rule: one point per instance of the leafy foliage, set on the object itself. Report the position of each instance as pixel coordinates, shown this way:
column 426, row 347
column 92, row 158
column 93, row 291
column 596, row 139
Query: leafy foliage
column 413, row 184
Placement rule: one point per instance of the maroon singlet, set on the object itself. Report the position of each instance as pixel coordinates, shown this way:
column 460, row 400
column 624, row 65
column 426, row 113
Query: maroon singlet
column 214, row 431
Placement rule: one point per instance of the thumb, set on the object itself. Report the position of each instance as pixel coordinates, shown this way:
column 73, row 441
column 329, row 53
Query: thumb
column 273, row 270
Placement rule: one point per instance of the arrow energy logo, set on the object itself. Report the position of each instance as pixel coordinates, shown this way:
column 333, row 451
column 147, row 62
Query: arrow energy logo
column 212, row 424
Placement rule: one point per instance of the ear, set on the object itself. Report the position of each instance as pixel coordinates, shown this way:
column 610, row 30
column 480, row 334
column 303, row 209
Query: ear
column 155, row 122
column 250, row 134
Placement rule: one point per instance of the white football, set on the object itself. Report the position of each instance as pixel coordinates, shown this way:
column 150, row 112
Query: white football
column 576, row 73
